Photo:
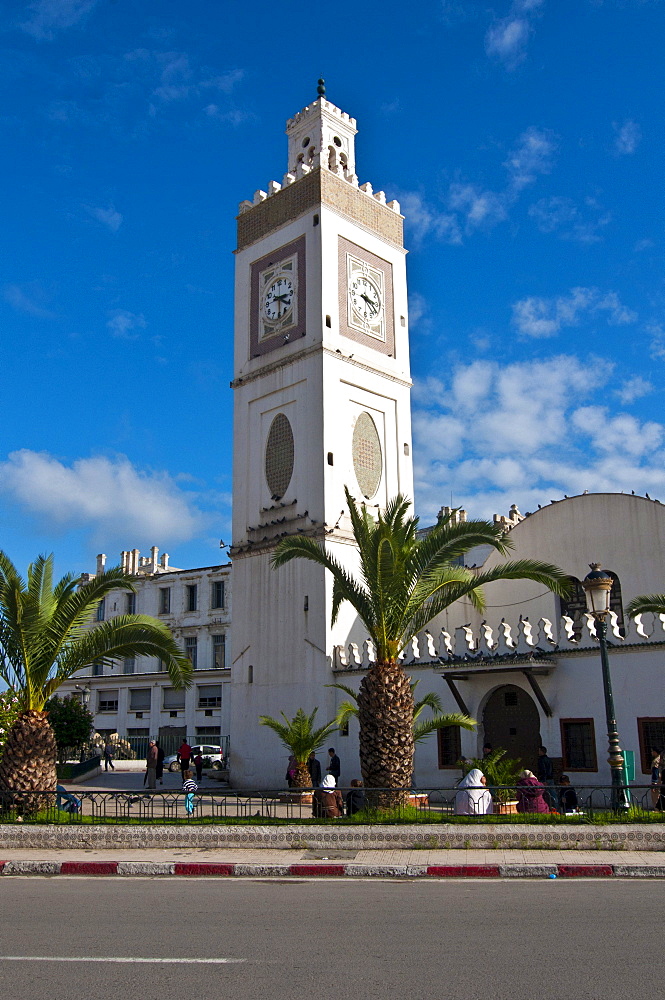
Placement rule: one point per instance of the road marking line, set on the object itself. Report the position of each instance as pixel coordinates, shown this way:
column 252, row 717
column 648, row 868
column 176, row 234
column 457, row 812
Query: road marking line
column 169, row 961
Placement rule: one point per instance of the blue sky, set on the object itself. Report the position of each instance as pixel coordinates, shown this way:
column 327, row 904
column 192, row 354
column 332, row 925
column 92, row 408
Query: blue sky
column 524, row 140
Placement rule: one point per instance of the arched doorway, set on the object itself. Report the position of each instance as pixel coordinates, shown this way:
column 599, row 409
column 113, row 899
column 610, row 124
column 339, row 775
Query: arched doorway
column 511, row 721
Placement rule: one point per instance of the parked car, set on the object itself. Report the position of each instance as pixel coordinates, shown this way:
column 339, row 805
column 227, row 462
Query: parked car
column 215, row 754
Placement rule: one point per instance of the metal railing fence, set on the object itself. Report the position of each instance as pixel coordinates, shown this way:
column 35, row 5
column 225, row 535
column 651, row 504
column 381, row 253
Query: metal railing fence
column 295, row 805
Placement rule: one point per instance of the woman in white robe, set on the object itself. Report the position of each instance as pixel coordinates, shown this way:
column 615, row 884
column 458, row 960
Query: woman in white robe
column 472, row 798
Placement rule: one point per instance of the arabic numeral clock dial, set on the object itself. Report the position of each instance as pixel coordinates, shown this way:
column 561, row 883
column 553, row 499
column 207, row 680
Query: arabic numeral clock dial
column 366, row 299
column 278, row 300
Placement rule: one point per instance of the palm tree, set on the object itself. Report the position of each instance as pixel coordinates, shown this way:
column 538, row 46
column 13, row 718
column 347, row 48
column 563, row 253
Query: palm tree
column 300, row 737
column 647, row 602
column 421, row 730
column 46, row 637
column 405, row 581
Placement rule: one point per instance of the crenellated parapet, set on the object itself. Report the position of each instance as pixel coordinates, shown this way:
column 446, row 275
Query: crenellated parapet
column 321, row 136
column 496, row 644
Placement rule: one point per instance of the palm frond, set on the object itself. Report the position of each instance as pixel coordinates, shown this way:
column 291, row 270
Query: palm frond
column 654, row 603
column 298, row 734
column 422, row 730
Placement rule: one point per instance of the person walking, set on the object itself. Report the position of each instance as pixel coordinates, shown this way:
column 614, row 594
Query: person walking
column 151, row 764
column 198, row 764
column 334, row 768
column 190, row 788
column 327, row 801
column 314, row 768
column 159, row 770
column 108, row 756
column 184, row 756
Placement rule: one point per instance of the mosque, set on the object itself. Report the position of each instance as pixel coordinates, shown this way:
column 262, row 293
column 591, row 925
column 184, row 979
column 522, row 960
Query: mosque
column 322, row 400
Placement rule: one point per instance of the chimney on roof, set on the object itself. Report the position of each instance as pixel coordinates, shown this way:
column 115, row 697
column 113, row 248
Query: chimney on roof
column 101, row 563
column 154, row 553
column 164, row 562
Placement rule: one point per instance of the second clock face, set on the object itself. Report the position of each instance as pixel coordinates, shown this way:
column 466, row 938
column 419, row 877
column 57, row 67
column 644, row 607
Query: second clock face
column 365, row 299
column 278, row 299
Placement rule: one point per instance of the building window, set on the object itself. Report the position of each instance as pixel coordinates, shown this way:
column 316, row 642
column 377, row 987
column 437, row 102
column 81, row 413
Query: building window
column 101, row 610
column 191, row 649
column 128, row 665
column 578, row 745
column 174, row 700
column 449, row 742
column 139, row 699
column 137, row 733
column 108, row 701
column 652, row 737
column 219, row 652
column 192, row 597
column 210, row 696
column 164, row 600
column 97, row 668
column 130, row 604
column 217, row 597
column 208, row 734
column 575, row 605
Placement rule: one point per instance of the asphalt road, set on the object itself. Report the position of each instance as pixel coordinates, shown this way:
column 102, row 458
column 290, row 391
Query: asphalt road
column 322, row 939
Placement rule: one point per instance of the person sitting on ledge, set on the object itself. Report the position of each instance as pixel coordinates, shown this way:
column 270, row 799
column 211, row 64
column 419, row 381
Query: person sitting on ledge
column 327, row 801
column 530, row 794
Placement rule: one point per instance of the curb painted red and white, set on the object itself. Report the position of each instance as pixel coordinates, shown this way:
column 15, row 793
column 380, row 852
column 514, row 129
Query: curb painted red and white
column 195, row 869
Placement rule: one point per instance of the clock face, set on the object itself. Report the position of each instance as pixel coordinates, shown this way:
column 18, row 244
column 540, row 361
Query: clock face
column 365, row 299
column 278, row 299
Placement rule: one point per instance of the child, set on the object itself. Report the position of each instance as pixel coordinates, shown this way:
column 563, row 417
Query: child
column 198, row 764
column 190, row 788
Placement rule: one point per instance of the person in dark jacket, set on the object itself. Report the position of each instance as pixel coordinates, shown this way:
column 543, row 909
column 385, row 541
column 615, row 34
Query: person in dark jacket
column 314, row 768
column 159, row 770
column 151, row 764
column 545, row 771
column 355, row 798
column 327, row 801
column 567, row 795
column 335, row 766
column 530, row 797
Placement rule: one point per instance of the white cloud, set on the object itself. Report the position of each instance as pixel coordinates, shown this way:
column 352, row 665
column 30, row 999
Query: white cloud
column 656, row 332
column 109, row 496
column 561, row 215
column 467, row 206
column 528, row 432
column 107, row 216
column 506, row 40
column 634, row 388
column 27, row 299
column 627, row 137
column 123, row 324
column 47, row 17
column 540, row 317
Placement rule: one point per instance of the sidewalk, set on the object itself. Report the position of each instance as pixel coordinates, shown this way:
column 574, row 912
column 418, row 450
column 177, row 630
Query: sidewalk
column 359, row 864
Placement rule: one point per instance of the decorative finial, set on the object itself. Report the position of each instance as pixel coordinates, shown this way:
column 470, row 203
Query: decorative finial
column 321, row 89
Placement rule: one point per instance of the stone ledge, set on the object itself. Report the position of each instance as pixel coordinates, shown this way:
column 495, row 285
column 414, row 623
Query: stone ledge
column 647, row 837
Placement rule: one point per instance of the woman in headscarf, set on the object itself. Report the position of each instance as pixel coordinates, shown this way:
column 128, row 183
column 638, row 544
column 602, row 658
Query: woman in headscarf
column 472, row 797
column 327, row 801
column 530, row 794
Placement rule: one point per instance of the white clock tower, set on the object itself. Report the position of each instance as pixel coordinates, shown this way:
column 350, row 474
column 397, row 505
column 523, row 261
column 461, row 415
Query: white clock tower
column 321, row 400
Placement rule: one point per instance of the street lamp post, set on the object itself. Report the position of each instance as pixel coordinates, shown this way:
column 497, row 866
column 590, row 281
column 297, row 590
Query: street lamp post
column 597, row 586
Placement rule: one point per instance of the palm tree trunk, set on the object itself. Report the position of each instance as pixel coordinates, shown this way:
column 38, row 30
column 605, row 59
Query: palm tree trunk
column 385, row 714
column 302, row 778
column 27, row 764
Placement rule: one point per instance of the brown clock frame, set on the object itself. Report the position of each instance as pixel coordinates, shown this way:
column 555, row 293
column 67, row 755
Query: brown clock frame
column 386, row 346
column 264, row 345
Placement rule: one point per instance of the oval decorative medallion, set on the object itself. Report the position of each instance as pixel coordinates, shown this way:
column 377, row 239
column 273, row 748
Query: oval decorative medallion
column 279, row 456
column 367, row 458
